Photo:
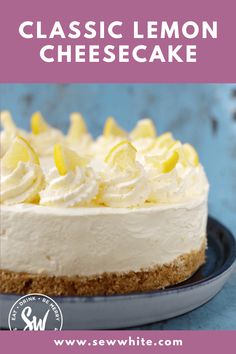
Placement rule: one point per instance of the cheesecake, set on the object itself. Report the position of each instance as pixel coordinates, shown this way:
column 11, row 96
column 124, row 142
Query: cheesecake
column 90, row 217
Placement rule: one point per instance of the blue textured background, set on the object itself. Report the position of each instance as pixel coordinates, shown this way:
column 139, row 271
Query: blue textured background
column 204, row 115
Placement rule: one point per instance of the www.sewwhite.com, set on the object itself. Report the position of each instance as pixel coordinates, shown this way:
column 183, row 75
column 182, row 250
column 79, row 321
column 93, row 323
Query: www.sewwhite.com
column 130, row 342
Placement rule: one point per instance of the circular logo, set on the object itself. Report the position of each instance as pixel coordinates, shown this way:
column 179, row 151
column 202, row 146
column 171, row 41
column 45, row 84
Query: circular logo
column 35, row 312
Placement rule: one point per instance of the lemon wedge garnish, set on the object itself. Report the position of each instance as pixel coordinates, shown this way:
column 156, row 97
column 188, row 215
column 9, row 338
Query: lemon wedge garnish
column 7, row 122
column 67, row 160
column 177, row 146
column 165, row 140
column 20, row 150
column 111, row 128
column 38, row 124
column 145, row 128
column 191, row 154
column 122, row 155
column 77, row 126
column 170, row 162
column 165, row 163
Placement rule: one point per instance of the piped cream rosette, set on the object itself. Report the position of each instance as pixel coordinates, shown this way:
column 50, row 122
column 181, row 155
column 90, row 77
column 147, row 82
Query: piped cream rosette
column 112, row 135
column 71, row 183
column 123, row 181
column 43, row 136
column 21, row 174
column 143, row 137
column 118, row 170
column 9, row 132
column 78, row 137
column 174, row 172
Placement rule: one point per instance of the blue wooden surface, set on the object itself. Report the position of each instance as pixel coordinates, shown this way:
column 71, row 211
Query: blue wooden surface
column 204, row 115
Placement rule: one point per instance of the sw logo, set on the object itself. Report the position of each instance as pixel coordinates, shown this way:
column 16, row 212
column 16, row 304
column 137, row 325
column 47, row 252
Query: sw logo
column 35, row 312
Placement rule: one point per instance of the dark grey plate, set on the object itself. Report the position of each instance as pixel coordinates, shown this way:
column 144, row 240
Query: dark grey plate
column 221, row 254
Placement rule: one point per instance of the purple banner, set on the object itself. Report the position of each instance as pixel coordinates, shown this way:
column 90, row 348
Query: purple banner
column 123, row 41
column 165, row 342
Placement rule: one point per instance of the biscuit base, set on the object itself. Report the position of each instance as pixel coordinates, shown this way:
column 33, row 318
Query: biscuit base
column 157, row 277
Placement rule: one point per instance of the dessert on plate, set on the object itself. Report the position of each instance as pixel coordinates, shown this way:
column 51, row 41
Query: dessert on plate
column 125, row 213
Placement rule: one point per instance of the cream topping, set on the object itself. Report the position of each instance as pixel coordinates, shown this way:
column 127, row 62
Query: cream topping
column 127, row 188
column 44, row 142
column 143, row 145
column 74, row 189
column 81, row 145
column 7, row 136
column 180, row 184
column 22, row 184
column 103, row 145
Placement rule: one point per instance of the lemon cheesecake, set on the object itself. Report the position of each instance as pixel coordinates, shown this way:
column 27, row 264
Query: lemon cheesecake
column 124, row 213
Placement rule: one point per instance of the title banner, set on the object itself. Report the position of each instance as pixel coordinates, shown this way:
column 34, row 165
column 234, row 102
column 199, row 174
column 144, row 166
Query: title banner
column 125, row 41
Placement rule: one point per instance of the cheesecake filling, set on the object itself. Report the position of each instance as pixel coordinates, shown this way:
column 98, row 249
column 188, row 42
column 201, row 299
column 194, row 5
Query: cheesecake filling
column 90, row 241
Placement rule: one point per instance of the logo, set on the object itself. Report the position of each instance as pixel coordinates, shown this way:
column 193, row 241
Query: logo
column 35, row 312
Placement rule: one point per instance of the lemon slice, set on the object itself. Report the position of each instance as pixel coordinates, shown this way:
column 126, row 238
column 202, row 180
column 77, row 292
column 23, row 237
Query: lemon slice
column 122, row 155
column 67, row 160
column 177, row 146
column 7, row 122
column 191, row 154
column 77, row 126
column 170, row 162
column 165, row 163
column 111, row 128
column 38, row 124
column 145, row 128
column 165, row 140
column 20, row 150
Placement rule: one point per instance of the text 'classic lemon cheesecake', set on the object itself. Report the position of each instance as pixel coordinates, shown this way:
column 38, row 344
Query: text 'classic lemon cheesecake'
column 124, row 213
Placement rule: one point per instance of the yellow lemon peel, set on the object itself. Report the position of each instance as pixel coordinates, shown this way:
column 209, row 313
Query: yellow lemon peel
column 7, row 122
column 122, row 155
column 20, row 150
column 145, row 128
column 38, row 124
column 165, row 163
column 77, row 126
column 67, row 160
column 111, row 128
column 164, row 140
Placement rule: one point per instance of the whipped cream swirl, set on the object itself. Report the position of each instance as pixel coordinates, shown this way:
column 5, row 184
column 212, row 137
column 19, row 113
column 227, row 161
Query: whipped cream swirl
column 44, row 142
column 144, row 145
column 22, row 185
column 77, row 188
column 101, row 147
column 81, row 145
column 6, row 138
column 127, row 188
column 180, row 184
